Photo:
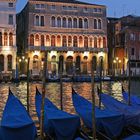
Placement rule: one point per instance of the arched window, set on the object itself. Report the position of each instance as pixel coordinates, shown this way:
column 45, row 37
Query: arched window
column 37, row 20
column 69, row 41
column 100, row 42
column 1, row 62
column 0, row 39
column 95, row 42
column 94, row 63
column 61, row 64
column 35, row 62
column 58, row 40
column 64, row 41
column 104, row 42
column 95, row 23
column 99, row 24
column 53, row 41
column 75, row 23
column 5, row 39
column 31, row 40
column 42, row 21
column 69, row 23
column 37, row 39
column 80, row 41
column 80, row 23
column 90, row 42
column 64, row 22
column 78, row 64
column 53, row 21
column 85, row 23
column 53, row 58
column 47, row 40
column 42, row 40
column 86, row 42
column 75, row 43
column 58, row 22
column 10, row 39
column 9, row 58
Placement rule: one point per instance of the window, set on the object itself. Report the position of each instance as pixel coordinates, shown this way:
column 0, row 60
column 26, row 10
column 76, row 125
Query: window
column 99, row 24
column 85, row 23
column 64, row 41
column 37, row 6
column 74, row 8
column 132, row 51
column 99, row 10
column 80, row 41
column 69, row 23
column 64, row 8
column 95, row 10
column 53, row 21
column 58, row 22
column 90, row 42
column 37, row 20
column 75, row 44
column 42, row 21
column 64, row 22
column 132, row 36
column 95, row 42
column 53, row 7
column 85, row 10
column 42, row 40
column 80, row 23
column 95, row 23
column 1, row 62
column 75, row 23
column 5, row 39
column 37, row 40
column 104, row 42
column 86, row 42
column 42, row 6
column 10, row 19
column 11, row 4
column 69, row 8
column 47, row 40
column 58, row 40
column 69, row 41
column 32, row 40
column 35, row 62
column 10, row 39
column 53, row 41
column 9, row 57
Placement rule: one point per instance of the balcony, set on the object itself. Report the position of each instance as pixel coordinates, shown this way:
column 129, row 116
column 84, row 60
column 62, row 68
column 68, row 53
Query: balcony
column 63, row 49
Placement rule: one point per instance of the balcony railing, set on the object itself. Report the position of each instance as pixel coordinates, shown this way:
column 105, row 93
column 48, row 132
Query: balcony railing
column 61, row 49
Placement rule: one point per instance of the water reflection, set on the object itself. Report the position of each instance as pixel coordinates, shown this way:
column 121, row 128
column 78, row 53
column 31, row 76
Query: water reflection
column 53, row 93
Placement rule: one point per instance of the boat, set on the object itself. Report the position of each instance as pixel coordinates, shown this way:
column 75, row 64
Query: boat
column 107, row 121
column 133, row 137
column 57, row 123
column 16, row 124
column 134, row 100
column 131, row 113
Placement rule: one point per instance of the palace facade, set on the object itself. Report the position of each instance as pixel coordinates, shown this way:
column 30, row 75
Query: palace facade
column 8, row 47
column 73, row 33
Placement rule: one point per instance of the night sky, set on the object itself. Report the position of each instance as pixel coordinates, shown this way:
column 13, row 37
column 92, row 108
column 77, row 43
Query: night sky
column 115, row 8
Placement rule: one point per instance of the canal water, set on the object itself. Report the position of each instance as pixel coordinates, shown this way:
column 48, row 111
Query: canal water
column 53, row 93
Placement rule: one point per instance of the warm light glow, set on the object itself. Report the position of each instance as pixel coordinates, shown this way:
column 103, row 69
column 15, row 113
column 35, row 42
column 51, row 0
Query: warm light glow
column 7, row 48
column 26, row 60
column 114, row 61
column 53, row 53
column 36, row 53
column 120, row 61
column 86, row 53
column 117, row 58
column 19, row 60
column 23, row 57
column 70, row 53
column 101, row 54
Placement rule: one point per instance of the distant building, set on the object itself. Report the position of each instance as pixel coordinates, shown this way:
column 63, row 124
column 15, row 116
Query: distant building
column 8, row 47
column 125, row 45
column 74, row 34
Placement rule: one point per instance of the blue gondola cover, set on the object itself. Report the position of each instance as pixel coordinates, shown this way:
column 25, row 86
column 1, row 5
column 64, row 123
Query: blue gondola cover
column 133, row 137
column 131, row 113
column 111, row 122
column 16, row 123
column 57, row 123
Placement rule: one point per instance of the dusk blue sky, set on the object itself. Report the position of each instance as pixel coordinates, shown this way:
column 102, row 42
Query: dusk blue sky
column 115, row 8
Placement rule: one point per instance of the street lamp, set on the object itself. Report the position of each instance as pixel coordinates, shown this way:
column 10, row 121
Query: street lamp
column 116, row 62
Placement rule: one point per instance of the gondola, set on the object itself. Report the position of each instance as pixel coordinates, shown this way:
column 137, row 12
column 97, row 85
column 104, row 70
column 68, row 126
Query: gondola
column 131, row 113
column 106, row 121
column 57, row 123
column 16, row 123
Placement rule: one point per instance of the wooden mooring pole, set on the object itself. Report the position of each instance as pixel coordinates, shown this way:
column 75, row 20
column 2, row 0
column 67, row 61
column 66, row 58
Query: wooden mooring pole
column 43, row 96
column 61, row 87
column 93, row 103
column 101, row 68
column 129, row 81
column 28, row 78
